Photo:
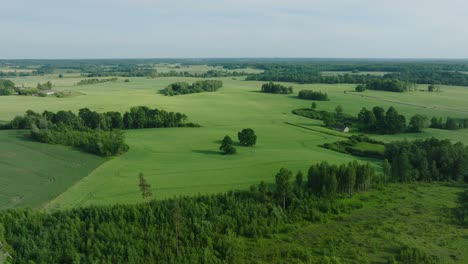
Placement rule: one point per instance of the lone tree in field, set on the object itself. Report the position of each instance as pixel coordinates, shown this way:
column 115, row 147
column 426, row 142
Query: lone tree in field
column 247, row 137
column 227, row 146
column 145, row 187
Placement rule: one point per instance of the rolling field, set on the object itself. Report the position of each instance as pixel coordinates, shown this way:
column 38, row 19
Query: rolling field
column 187, row 161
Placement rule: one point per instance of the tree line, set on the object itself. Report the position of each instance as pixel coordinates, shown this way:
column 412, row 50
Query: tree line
column 95, row 80
column 449, row 123
column 196, row 87
column 138, row 117
column 311, row 72
column 390, row 85
column 276, row 88
column 380, row 121
column 97, row 142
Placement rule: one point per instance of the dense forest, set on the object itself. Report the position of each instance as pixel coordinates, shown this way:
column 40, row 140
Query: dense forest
column 179, row 88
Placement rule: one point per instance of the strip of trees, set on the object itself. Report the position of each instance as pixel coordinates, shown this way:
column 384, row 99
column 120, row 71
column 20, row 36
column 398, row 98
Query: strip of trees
column 390, row 85
column 449, row 123
column 97, row 142
column 179, row 88
column 276, row 88
column 95, row 80
column 313, row 95
column 138, row 117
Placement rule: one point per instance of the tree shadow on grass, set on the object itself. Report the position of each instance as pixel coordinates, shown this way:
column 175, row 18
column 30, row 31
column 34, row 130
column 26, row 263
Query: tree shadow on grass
column 207, row 152
column 23, row 135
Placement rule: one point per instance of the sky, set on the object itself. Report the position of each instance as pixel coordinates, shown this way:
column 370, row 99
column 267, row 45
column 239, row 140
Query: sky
column 54, row 29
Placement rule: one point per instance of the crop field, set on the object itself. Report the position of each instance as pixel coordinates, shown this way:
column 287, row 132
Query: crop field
column 32, row 173
column 183, row 161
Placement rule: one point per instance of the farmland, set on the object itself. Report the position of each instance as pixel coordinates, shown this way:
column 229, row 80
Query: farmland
column 187, row 161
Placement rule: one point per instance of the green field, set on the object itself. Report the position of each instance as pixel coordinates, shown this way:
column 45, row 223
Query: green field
column 32, row 173
column 186, row 160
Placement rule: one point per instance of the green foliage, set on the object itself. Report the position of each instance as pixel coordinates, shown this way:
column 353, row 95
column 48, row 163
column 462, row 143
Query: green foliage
column 412, row 255
column 283, row 190
column 417, row 123
column 360, row 88
column 6, row 87
column 98, row 142
column 168, row 230
column 358, row 145
column 227, row 146
column 197, row 87
column 275, row 88
column 44, row 86
column 390, row 85
column 313, row 95
column 327, row 180
column 427, row 160
column 247, row 137
column 145, row 187
column 390, row 122
column 95, row 80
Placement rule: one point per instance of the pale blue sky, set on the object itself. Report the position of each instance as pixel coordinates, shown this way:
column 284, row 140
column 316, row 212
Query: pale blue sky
column 237, row 28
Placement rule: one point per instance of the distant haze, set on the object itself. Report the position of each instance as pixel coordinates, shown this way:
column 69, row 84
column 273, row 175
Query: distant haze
column 236, row 28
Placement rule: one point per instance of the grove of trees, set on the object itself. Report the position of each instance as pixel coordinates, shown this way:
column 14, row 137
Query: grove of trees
column 276, row 88
column 427, row 160
column 313, row 95
column 179, row 88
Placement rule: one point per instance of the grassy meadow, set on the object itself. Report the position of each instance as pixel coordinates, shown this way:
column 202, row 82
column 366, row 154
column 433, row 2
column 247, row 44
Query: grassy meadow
column 181, row 161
